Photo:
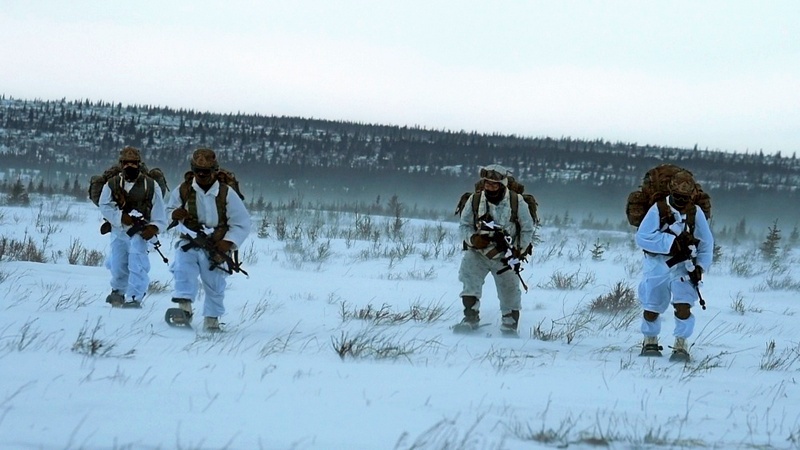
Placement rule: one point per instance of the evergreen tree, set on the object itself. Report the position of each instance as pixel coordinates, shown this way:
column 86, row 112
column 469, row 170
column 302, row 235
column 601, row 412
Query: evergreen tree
column 769, row 248
column 17, row 195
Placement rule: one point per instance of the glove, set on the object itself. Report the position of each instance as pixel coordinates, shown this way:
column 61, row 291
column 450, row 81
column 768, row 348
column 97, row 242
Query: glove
column 479, row 241
column 105, row 228
column 223, row 246
column 696, row 275
column 148, row 232
column 126, row 219
column 179, row 214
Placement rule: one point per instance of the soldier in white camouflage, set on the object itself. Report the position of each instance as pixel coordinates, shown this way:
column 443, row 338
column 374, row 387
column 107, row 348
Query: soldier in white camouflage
column 490, row 236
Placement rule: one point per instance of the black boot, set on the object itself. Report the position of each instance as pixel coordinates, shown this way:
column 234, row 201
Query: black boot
column 471, row 310
column 472, row 318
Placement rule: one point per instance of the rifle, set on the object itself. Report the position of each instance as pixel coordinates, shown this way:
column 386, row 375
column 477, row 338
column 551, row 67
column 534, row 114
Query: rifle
column 199, row 239
column 690, row 267
column 512, row 256
column 689, row 250
column 689, row 258
column 138, row 225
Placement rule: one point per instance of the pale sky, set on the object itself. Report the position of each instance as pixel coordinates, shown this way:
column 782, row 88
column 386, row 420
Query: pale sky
column 720, row 74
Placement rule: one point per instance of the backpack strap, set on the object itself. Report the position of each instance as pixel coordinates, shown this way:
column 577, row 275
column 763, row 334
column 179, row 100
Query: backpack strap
column 222, row 205
column 514, row 200
column 476, row 204
column 117, row 191
column 665, row 216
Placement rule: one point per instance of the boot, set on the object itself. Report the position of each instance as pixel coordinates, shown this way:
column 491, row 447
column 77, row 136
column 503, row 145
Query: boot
column 680, row 351
column 650, row 346
column 115, row 298
column 510, row 321
column 472, row 318
column 211, row 324
column 185, row 305
column 132, row 304
column 471, row 310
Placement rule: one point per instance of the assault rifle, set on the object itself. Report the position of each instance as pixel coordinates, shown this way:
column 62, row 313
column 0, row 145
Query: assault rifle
column 219, row 260
column 138, row 225
column 689, row 257
column 690, row 265
column 513, row 257
column 689, row 249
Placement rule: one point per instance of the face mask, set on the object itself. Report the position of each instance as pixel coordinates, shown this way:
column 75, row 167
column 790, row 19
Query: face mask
column 679, row 201
column 131, row 173
column 495, row 196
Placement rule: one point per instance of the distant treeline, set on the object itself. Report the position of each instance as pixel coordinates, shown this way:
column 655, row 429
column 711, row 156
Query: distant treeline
column 285, row 157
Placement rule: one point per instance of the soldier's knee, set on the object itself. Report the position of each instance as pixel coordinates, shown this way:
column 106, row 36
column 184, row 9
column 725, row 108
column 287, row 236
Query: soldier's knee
column 650, row 316
column 682, row 310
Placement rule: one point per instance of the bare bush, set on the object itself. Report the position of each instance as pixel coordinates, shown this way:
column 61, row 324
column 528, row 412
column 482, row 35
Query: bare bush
column 742, row 266
column 75, row 252
column 90, row 344
column 770, row 360
column 568, row 281
column 159, row 287
column 372, row 344
column 92, row 258
column 413, row 274
column 299, row 253
column 385, row 315
column 24, row 250
column 621, row 297
column 738, row 305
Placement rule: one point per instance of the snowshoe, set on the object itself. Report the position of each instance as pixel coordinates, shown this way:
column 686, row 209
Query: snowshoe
column 650, row 347
column 178, row 318
column 680, row 352
column 466, row 327
column 132, row 304
column 679, row 355
column 509, row 333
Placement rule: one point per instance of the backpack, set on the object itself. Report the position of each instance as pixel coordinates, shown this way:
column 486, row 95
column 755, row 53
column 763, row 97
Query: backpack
column 97, row 182
column 654, row 190
column 514, row 186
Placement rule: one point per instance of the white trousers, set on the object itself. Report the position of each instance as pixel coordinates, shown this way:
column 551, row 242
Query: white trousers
column 129, row 265
column 472, row 274
column 186, row 268
column 662, row 286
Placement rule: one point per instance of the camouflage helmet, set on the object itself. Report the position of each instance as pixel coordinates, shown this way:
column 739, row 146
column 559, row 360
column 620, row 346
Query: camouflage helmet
column 682, row 183
column 495, row 173
column 129, row 154
column 204, row 158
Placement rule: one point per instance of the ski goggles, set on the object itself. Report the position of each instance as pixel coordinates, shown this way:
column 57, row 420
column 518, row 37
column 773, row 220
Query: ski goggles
column 492, row 175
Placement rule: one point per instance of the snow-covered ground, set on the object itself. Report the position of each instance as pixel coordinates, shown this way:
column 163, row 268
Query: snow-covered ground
column 340, row 339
